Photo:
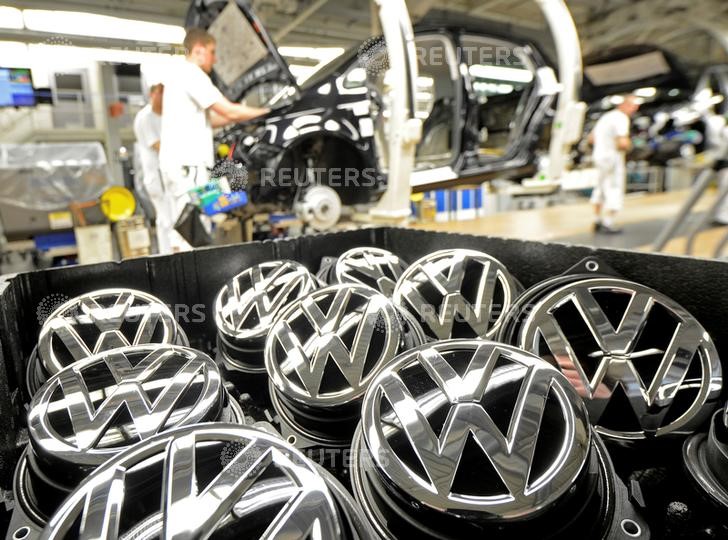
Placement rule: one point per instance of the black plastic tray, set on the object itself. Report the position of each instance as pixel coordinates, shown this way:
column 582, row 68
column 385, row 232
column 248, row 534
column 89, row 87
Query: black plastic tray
column 193, row 280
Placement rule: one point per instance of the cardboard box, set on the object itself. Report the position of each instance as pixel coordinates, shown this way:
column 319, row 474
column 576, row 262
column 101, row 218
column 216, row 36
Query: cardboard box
column 229, row 232
column 94, row 243
column 133, row 237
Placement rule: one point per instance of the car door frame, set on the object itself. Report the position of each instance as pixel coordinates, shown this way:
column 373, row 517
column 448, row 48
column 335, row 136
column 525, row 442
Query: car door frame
column 539, row 110
column 458, row 83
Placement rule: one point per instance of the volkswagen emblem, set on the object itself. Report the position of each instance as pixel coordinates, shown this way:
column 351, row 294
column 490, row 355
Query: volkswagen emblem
column 323, row 351
column 101, row 321
column 644, row 366
column 706, row 460
column 461, row 438
column 247, row 305
column 176, row 485
column 377, row 268
column 457, row 294
column 95, row 408
column 490, row 372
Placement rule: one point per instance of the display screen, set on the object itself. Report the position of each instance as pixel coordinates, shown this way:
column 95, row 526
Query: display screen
column 16, row 88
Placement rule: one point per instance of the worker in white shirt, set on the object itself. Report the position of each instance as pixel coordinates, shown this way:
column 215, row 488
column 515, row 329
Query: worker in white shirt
column 148, row 131
column 611, row 141
column 716, row 136
column 193, row 106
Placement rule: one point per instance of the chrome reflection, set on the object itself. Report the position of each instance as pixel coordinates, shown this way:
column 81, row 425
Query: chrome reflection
column 100, row 321
column 377, row 268
column 430, row 401
column 323, row 351
column 247, row 305
column 627, row 349
column 98, row 407
column 263, row 488
column 457, row 293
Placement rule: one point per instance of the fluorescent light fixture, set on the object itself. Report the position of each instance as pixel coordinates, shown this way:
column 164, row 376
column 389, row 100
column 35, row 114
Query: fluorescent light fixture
column 92, row 25
column 16, row 50
column 500, row 73
column 357, row 75
column 11, row 17
column 60, row 55
column 493, row 88
column 301, row 73
column 616, row 100
column 646, row 92
column 322, row 54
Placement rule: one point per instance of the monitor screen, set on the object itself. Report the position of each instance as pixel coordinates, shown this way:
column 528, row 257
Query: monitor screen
column 16, row 88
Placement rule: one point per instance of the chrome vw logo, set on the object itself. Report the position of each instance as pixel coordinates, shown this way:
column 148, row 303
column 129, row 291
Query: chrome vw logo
column 457, row 294
column 94, row 408
column 377, row 268
column 246, row 306
column 170, row 487
column 616, row 338
column 422, row 410
column 101, row 321
column 349, row 328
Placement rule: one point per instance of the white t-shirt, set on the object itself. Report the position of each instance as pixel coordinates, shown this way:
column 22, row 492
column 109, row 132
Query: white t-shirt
column 608, row 129
column 148, row 130
column 186, row 130
column 716, row 134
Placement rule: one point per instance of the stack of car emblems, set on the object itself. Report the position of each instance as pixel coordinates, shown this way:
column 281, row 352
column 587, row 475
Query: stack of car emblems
column 219, row 481
column 97, row 407
column 321, row 354
column 246, row 306
column 377, row 268
column 97, row 322
column 644, row 366
column 457, row 294
column 460, row 406
column 471, row 438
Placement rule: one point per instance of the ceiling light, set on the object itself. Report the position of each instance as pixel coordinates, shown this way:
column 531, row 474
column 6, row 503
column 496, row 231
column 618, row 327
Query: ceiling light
column 322, row 54
column 16, row 50
column 67, row 55
column 646, row 92
column 11, row 17
column 500, row 73
column 357, row 75
column 89, row 24
column 301, row 73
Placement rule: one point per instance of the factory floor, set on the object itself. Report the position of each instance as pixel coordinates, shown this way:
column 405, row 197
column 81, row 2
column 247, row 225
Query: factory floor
column 643, row 218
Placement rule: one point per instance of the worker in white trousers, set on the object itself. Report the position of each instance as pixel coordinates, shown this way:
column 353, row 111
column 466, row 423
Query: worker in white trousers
column 192, row 107
column 716, row 135
column 611, row 141
column 148, row 132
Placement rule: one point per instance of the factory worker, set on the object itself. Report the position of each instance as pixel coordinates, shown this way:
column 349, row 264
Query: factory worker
column 148, row 131
column 611, row 141
column 193, row 106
